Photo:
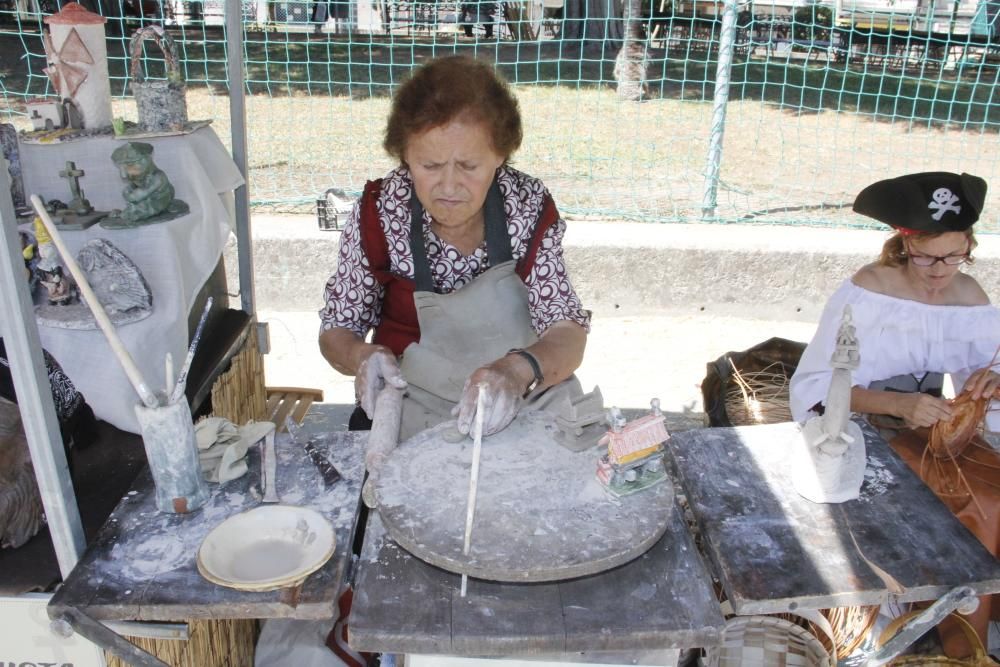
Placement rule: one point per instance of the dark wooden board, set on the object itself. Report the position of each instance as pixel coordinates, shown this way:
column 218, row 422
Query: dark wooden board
column 775, row 551
column 663, row 599
column 142, row 565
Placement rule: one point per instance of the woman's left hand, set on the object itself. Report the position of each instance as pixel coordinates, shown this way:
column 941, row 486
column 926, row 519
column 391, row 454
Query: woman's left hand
column 983, row 383
column 503, row 388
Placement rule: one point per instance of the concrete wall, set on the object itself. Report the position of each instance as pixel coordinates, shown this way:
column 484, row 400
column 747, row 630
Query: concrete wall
column 625, row 268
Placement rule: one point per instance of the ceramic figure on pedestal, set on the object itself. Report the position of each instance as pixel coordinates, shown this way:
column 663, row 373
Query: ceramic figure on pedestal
column 78, row 213
column 78, row 63
column 148, row 193
column 830, row 462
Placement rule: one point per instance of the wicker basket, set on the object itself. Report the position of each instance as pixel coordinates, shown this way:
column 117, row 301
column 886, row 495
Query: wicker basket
column 767, row 641
column 979, row 657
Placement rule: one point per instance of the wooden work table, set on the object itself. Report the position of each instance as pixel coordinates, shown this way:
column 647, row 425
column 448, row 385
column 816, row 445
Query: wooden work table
column 142, row 564
column 775, row 551
column 663, row 599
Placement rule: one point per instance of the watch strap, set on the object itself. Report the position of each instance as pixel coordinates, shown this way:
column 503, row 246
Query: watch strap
column 536, row 369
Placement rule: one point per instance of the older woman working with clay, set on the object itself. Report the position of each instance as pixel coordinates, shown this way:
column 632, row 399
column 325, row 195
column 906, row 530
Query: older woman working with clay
column 454, row 259
column 918, row 317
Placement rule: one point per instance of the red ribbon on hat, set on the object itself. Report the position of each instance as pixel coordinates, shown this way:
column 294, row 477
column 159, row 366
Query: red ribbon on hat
column 906, row 231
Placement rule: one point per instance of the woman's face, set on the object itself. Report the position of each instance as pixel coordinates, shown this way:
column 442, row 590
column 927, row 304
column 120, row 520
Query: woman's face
column 452, row 168
column 950, row 246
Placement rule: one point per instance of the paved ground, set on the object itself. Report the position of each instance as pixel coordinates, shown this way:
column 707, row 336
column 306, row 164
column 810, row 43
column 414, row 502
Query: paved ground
column 632, row 359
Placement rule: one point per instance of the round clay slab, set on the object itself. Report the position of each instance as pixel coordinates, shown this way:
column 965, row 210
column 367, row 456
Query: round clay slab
column 541, row 515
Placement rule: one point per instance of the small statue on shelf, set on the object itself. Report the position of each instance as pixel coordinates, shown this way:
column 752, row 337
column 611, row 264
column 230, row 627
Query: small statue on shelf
column 61, row 290
column 148, row 193
column 78, row 213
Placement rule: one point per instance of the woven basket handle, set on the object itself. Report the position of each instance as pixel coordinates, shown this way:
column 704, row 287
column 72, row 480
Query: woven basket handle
column 166, row 44
column 978, row 650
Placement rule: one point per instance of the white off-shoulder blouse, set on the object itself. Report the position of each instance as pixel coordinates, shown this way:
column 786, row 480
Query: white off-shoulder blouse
column 897, row 337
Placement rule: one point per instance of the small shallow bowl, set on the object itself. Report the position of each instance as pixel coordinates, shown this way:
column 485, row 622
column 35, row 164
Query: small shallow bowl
column 268, row 547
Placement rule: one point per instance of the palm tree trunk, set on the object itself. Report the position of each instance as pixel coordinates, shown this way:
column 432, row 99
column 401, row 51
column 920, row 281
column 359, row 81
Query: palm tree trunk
column 630, row 65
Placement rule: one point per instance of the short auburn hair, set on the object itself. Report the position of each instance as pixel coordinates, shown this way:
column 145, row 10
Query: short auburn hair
column 894, row 250
column 448, row 88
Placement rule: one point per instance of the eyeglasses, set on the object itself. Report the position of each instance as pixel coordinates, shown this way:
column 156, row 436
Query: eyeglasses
column 931, row 260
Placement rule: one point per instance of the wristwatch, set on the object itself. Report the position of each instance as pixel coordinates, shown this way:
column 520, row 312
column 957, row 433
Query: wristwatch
column 536, row 369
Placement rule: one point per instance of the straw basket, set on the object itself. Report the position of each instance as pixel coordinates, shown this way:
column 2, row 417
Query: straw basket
column 751, row 387
column 766, row 641
column 162, row 105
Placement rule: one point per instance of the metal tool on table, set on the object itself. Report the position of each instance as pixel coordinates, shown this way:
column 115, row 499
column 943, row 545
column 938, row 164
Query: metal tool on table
column 269, row 470
column 327, row 470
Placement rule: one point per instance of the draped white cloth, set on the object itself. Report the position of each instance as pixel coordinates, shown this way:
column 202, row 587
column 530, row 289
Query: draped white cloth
column 175, row 257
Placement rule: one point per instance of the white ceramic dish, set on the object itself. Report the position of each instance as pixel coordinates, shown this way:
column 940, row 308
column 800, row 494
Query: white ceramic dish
column 268, row 547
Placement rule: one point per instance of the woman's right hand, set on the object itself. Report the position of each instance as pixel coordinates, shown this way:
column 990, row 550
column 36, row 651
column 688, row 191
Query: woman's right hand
column 376, row 370
column 918, row 409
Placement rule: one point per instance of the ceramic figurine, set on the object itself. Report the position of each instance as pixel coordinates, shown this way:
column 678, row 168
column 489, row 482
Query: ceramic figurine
column 829, row 464
column 634, row 460
column 60, row 288
column 148, row 193
column 78, row 64
column 12, row 161
column 78, row 213
column 115, row 279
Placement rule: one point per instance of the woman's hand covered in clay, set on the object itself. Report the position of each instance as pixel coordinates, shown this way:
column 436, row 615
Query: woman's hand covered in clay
column 376, row 371
column 919, row 409
column 983, row 383
column 502, row 392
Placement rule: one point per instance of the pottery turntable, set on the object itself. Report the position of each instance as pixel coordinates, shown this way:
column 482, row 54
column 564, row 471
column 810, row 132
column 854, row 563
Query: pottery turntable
column 541, row 513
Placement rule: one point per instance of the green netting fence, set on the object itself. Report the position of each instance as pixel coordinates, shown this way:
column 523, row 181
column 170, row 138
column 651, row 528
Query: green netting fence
column 657, row 110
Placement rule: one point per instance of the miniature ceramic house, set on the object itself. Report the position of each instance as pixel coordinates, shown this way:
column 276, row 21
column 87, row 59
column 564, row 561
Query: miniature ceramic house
column 44, row 114
column 78, row 63
column 634, row 460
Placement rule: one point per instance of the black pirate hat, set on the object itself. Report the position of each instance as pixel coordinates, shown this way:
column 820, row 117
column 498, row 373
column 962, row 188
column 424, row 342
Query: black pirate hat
column 932, row 201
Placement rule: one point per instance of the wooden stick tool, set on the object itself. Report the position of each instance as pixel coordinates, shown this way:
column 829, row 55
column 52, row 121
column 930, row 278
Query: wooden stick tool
column 470, row 510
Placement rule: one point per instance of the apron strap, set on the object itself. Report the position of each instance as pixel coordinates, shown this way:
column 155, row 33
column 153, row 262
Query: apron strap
column 497, row 237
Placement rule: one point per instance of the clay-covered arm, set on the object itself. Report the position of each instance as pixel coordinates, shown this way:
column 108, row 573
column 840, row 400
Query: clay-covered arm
column 344, row 350
column 559, row 352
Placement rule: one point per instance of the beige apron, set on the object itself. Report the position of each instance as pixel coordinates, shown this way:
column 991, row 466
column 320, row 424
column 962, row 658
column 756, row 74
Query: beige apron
column 464, row 330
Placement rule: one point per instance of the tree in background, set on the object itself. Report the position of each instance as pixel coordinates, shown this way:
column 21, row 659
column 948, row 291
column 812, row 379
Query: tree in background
column 812, row 23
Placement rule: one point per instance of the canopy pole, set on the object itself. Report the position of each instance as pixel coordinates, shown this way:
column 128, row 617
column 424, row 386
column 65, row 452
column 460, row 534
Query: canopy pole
column 34, row 394
column 237, row 115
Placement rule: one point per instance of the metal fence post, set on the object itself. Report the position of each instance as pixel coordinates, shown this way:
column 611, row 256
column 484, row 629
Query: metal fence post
column 727, row 38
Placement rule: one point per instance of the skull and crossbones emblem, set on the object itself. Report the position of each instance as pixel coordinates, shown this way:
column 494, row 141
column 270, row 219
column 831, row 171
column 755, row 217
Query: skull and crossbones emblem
column 942, row 201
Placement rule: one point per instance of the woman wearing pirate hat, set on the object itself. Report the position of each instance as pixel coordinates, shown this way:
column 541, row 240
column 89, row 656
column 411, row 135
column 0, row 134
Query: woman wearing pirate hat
column 918, row 317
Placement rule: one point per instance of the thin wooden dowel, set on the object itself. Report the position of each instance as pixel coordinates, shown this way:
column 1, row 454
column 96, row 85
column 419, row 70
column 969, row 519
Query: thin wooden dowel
column 477, row 448
column 103, row 321
column 168, row 374
column 176, row 393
